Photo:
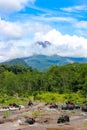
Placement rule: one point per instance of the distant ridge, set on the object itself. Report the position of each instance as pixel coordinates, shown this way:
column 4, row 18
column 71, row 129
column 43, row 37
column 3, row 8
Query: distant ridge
column 42, row 62
column 18, row 61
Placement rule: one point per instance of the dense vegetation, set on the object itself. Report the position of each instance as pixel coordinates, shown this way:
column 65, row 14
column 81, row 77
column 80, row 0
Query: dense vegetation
column 24, row 81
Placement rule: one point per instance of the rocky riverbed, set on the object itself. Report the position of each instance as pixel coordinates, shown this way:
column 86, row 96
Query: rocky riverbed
column 45, row 118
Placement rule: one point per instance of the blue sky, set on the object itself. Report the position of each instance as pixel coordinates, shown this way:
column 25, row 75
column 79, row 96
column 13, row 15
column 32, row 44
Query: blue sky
column 61, row 22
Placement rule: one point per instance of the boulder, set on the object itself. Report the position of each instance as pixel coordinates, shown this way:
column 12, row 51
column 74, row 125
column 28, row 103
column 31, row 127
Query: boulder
column 63, row 119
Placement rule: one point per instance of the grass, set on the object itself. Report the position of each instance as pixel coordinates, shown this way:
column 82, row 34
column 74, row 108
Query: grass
column 85, row 124
column 35, row 114
column 48, row 97
column 6, row 114
column 59, row 98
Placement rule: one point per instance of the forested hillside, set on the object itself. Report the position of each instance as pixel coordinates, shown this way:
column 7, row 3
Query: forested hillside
column 60, row 79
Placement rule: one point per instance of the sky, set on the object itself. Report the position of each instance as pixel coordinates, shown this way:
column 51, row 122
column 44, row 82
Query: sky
column 61, row 22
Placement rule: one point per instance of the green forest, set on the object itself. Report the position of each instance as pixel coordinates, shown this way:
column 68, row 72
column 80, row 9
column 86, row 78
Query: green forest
column 58, row 83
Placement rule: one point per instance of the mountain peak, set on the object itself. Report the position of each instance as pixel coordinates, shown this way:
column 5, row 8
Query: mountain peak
column 43, row 44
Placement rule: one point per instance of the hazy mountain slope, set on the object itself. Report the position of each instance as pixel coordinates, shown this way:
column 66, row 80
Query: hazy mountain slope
column 18, row 61
column 42, row 62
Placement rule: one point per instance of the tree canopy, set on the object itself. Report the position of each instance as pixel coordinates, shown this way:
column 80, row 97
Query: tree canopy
column 62, row 79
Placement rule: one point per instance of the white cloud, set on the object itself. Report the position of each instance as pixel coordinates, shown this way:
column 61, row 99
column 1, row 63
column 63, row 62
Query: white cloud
column 82, row 24
column 15, row 30
column 54, row 19
column 81, row 28
column 36, row 26
column 64, row 45
column 75, row 8
column 14, row 49
column 16, row 41
column 7, row 6
column 9, row 30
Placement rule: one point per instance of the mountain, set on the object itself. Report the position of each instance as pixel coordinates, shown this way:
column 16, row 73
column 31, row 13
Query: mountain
column 18, row 61
column 43, row 44
column 42, row 62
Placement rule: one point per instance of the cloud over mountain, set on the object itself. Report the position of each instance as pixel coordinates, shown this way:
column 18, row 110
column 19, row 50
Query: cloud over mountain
column 65, row 45
column 55, row 43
